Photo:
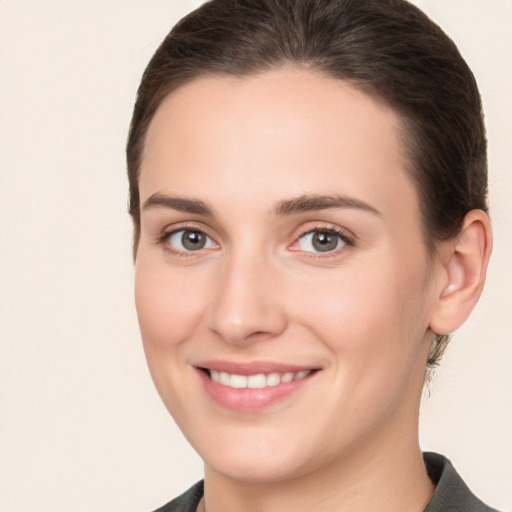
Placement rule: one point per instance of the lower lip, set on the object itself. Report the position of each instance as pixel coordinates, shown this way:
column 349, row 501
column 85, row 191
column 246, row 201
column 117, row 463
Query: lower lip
column 251, row 399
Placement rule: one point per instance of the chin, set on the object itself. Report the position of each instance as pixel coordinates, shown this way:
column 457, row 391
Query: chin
column 256, row 469
column 260, row 461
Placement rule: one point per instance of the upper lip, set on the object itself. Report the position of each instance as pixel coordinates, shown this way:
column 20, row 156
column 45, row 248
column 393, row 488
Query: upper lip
column 252, row 367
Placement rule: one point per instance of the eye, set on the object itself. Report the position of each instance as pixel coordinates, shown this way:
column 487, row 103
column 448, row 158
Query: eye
column 186, row 240
column 321, row 241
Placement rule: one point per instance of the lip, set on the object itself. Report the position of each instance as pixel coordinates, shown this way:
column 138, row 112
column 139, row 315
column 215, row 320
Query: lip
column 252, row 367
column 249, row 399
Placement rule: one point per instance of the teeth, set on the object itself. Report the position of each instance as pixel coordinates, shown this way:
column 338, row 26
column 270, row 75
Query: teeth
column 273, row 379
column 287, row 377
column 257, row 381
column 238, row 381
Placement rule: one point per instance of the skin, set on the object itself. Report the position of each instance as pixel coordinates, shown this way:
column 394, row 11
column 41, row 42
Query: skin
column 361, row 314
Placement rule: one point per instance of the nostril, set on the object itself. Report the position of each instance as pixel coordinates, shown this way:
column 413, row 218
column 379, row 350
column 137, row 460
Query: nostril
column 260, row 336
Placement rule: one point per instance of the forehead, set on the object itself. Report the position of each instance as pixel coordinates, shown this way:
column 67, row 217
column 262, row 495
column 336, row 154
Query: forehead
column 283, row 132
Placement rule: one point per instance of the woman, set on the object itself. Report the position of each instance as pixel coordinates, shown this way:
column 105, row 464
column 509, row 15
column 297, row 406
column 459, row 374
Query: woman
column 308, row 192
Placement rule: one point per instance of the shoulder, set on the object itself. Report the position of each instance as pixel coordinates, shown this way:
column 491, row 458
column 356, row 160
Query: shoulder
column 186, row 502
column 451, row 494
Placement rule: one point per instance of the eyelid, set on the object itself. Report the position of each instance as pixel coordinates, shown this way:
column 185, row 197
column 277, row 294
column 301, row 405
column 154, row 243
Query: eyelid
column 168, row 231
column 348, row 238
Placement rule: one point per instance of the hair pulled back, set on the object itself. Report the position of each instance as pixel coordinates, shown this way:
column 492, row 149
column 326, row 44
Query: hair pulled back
column 386, row 48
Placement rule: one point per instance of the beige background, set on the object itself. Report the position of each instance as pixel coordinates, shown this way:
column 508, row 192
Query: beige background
column 82, row 429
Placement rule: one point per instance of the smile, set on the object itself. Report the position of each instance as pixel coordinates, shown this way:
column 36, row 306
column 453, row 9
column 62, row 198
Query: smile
column 252, row 387
column 257, row 381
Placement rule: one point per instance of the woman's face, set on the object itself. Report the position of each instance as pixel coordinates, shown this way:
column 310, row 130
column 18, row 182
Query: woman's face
column 282, row 283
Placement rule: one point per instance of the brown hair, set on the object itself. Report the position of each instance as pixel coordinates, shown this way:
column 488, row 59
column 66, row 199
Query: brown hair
column 387, row 48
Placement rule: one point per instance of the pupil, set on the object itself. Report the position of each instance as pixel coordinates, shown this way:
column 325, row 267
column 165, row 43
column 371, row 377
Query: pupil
column 193, row 240
column 324, row 242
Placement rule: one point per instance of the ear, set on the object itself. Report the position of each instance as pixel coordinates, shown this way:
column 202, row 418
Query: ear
column 463, row 268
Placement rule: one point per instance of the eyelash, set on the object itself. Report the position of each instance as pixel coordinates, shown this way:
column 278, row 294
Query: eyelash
column 347, row 239
column 164, row 240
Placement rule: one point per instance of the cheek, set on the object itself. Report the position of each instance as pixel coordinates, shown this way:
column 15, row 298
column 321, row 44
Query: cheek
column 169, row 303
column 371, row 316
column 169, row 307
column 373, row 324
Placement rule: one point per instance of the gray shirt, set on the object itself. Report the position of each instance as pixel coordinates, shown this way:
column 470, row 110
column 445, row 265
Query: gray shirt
column 451, row 494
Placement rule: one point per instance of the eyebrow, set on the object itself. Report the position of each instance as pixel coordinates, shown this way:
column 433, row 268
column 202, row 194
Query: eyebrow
column 310, row 203
column 180, row 204
column 301, row 204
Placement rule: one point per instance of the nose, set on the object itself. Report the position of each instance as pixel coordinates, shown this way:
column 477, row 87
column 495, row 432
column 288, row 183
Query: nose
column 247, row 302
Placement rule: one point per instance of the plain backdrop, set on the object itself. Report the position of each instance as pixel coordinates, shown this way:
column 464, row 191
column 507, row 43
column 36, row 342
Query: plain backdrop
column 82, row 429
